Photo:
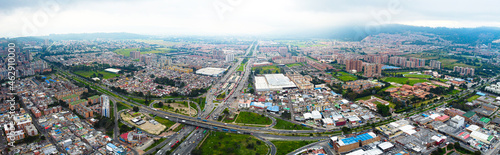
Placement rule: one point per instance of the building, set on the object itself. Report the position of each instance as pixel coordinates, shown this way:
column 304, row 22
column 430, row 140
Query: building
column 146, row 59
column 105, row 106
column 209, row 71
column 217, row 54
column 435, row 64
column 464, row 70
column 273, row 82
column 229, row 57
column 457, row 121
column 372, row 70
column 347, row 144
column 356, row 65
column 135, row 54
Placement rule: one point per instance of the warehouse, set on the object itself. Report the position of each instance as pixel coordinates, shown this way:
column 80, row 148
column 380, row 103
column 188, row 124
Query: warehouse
column 209, row 71
column 273, row 82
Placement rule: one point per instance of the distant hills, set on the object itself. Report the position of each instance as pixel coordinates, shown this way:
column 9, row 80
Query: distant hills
column 456, row 35
column 481, row 35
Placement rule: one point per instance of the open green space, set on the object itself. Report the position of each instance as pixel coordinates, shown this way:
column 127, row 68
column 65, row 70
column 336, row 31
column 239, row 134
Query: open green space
column 88, row 74
column 253, row 118
column 178, row 128
column 266, row 69
column 409, row 81
column 294, row 64
column 450, row 63
column 157, row 142
column 417, row 76
column 232, row 144
column 164, row 121
column 284, row 147
column 121, row 106
column 473, row 98
column 281, row 124
column 344, row 76
column 126, row 52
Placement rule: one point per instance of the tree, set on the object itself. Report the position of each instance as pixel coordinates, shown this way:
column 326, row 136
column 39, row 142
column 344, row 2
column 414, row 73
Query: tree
column 383, row 110
column 160, row 104
column 136, row 109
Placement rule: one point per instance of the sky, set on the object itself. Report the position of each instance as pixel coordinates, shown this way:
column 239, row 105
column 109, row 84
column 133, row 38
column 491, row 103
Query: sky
column 233, row 17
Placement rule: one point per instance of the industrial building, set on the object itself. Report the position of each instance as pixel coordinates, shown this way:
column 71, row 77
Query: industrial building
column 273, row 82
column 209, row 71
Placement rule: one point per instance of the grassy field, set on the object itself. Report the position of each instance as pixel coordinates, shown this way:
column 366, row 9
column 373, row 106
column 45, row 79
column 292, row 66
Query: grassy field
column 473, row 98
column 284, row 147
column 88, row 74
column 343, row 76
column 270, row 69
column 121, row 106
column 411, row 81
column 294, row 64
column 253, row 118
column 417, row 76
column 126, row 51
column 164, row 121
column 157, row 142
column 241, row 68
column 281, row 124
column 450, row 63
column 232, row 144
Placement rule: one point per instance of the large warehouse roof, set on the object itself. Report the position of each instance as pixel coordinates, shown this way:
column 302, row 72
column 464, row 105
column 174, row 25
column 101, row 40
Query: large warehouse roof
column 273, row 82
column 211, row 71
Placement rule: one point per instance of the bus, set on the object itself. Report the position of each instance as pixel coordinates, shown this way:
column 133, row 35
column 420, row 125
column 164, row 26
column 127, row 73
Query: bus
column 204, row 131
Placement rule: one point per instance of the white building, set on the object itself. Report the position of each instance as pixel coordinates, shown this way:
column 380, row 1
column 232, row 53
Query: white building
column 105, row 106
column 229, row 57
column 211, row 71
column 273, row 82
column 457, row 121
column 494, row 88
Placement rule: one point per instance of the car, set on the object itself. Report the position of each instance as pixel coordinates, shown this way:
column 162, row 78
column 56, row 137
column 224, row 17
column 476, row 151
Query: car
column 183, row 121
column 166, row 117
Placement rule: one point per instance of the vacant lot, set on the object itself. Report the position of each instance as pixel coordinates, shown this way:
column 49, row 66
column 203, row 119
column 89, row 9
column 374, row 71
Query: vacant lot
column 281, row 124
column 232, row 144
column 253, row 118
column 294, row 64
column 88, row 74
column 148, row 127
column 126, row 52
column 177, row 107
column 284, row 147
column 267, row 69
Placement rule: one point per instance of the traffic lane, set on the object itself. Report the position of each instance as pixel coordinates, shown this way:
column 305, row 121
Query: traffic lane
column 197, row 122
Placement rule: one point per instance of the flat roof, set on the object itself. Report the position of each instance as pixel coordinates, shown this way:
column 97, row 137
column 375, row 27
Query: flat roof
column 210, row 71
column 112, row 70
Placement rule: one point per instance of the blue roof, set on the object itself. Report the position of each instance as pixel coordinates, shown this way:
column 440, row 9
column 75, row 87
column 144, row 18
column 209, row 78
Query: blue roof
column 47, row 81
column 273, row 108
column 317, row 88
column 268, row 104
column 333, row 93
column 111, row 145
column 361, row 137
column 481, row 94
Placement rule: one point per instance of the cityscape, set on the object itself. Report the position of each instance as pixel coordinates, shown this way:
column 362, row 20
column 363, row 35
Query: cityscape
column 250, row 78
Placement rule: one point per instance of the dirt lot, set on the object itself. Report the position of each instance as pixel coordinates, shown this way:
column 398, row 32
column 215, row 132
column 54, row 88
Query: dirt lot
column 180, row 109
column 148, row 127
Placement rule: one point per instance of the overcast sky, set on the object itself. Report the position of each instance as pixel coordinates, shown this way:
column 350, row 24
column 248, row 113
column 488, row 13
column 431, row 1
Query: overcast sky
column 233, row 17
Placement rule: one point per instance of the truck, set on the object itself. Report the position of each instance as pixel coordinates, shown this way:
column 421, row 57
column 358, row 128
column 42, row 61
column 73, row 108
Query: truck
column 205, row 120
column 233, row 130
column 303, row 124
column 215, row 127
column 199, row 117
column 225, row 130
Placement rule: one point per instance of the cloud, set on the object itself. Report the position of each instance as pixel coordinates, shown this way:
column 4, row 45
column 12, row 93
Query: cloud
column 233, row 17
